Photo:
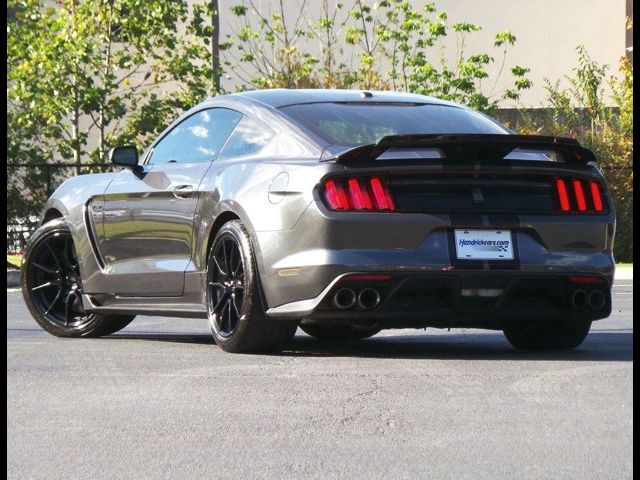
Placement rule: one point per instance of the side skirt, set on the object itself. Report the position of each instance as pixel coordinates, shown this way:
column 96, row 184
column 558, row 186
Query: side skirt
column 190, row 305
column 160, row 306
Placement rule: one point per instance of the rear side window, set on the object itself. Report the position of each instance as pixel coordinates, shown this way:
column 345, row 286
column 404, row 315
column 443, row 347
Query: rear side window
column 198, row 138
column 358, row 123
column 249, row 138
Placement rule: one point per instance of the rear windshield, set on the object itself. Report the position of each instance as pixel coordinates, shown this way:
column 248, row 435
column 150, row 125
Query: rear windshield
column 353, row 124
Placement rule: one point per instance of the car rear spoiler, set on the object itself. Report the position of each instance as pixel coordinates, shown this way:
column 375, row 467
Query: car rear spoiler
column 472, row 147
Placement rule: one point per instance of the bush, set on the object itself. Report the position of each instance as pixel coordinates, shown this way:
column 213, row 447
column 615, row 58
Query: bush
column 581, row 111
column 273, row 51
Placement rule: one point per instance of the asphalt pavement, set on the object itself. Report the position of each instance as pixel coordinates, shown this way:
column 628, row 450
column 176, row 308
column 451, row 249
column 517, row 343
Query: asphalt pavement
column 160, row 400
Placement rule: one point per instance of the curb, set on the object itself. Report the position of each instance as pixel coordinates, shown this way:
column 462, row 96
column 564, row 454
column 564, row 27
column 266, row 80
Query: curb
column 625, row 273
column 13, row 278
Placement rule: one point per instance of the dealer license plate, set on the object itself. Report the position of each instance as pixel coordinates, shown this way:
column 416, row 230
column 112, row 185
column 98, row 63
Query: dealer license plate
column 484, row 244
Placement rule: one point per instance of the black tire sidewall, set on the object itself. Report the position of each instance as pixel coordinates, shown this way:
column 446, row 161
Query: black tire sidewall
column 552, row 336
column 97, row 325
column 251, row 302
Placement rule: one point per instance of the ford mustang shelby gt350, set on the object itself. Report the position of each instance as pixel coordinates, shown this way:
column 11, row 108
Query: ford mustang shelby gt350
column 342, row 212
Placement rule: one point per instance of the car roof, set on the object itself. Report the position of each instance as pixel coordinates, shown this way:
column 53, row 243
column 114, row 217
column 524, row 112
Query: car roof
column 281, row 97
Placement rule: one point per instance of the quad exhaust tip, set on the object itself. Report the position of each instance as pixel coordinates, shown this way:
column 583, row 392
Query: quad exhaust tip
column 344, row 298
column 368, row 298
column 579, row 299
column 596, row 300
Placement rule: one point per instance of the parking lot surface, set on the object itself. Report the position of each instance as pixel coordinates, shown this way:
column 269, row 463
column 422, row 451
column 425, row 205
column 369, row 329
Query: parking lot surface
column 160, row 400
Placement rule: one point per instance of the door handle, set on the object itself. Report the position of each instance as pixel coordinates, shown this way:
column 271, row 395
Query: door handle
column 183, row 191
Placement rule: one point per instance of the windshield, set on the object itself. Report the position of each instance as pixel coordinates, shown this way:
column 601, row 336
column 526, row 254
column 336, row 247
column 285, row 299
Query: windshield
column 353, row 124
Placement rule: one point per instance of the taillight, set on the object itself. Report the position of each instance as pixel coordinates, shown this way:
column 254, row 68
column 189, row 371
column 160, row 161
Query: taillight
column 580, row 200
column 595, row 195
column 578, row 195
column 382, row 198
column 562, row 195
column 359, row 197
column 336, row 196
column 355, row 193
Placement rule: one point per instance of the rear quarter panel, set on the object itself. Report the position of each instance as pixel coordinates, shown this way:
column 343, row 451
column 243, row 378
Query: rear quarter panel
column 267, row 195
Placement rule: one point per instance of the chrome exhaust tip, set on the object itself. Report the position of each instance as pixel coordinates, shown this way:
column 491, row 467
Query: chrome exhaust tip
column 368, row 298
column 344, row 298
column 579, row 299
column 596, row 300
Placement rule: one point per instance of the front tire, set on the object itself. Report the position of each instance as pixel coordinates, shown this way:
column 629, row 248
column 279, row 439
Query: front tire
column 549, row 336
column 234, row 305
column 52, row 286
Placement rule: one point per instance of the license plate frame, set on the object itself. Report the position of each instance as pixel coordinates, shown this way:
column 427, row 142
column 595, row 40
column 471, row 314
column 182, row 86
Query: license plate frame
column 485, row 244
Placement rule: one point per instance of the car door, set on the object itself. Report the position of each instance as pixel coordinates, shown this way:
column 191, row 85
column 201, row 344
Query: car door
column 148, row 216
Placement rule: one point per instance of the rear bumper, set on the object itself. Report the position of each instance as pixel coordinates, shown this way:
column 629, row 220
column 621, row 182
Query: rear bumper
column 487, row 299
column 299, row 267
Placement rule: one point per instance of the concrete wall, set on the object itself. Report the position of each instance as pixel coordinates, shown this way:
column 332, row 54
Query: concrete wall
column 548, row 32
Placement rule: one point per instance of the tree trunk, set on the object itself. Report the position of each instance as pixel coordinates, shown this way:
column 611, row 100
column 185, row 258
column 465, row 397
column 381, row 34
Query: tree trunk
column 215, row 46
column 102, row 131
column 75, row 133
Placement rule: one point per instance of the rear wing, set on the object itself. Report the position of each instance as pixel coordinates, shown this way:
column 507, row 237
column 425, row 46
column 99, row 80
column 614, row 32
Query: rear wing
column 469, row 148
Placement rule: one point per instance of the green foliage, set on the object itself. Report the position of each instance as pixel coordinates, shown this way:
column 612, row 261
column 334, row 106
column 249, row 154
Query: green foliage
column 411, row 40
column 119, row 70
column 97, row 69
column 25, row 188
column 76, row 68
column 600, row 115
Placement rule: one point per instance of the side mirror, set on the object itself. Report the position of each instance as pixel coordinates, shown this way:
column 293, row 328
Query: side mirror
column 124, row 156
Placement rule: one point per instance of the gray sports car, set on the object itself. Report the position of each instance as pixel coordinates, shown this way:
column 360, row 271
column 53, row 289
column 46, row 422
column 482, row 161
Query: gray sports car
column 342, row 212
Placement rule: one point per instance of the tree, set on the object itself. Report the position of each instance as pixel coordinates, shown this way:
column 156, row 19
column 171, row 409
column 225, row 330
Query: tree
column 76, row 68
column 274, row 51
column 73, row 70
column 600, row 115
column 190, row 71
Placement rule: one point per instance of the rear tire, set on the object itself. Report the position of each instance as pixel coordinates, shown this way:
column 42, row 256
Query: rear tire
column 550, row 336
column 52, row 286
column 234, row 302
column 337, row 333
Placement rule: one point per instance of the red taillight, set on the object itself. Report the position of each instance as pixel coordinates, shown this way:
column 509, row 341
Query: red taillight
column 381, row 195
column 360, row 198
column 562, row 195
column 580, row 200
column 358, row 194
column 335, row 195
column 583, row 199
column 595, row 196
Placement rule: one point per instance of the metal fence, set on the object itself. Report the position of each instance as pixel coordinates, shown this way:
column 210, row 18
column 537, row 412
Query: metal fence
column 51, row 176
column 26, row 194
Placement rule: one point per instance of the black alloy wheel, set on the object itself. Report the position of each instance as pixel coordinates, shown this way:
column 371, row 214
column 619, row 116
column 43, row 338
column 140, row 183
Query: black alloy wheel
column 52, row 286
column 226, row 285
column 235, row 305
column 54, row 281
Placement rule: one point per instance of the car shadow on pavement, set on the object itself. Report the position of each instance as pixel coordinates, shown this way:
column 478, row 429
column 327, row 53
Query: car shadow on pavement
column 599, row 346
column 616, row 346
column 203, row 339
